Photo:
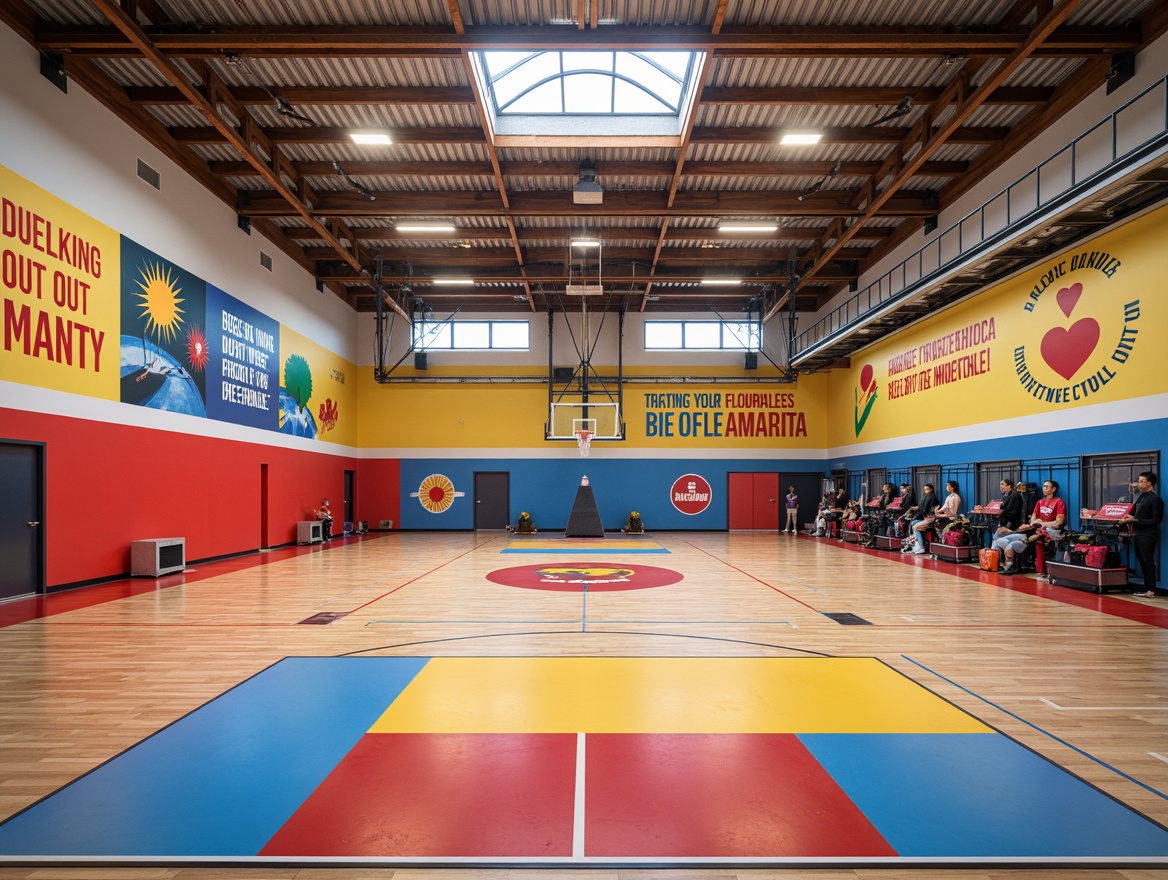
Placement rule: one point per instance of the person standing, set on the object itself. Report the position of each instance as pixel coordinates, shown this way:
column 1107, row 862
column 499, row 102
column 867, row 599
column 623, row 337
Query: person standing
column 1146, row 517
column 792, row 525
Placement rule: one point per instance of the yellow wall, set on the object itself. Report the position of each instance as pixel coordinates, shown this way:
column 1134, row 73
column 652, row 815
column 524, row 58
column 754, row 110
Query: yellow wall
column 666, row 416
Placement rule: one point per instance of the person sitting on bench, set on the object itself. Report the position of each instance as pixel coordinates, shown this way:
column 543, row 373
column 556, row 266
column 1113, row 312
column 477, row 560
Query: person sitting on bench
column 922, row 522
column 1046, row 522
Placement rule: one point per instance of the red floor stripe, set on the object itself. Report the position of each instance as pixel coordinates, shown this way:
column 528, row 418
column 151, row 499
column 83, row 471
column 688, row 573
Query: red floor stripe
column 1125, row 608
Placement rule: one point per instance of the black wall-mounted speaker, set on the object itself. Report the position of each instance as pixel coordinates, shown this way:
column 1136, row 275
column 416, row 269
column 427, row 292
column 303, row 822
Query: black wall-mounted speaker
column 420, row 360
column 752, row 360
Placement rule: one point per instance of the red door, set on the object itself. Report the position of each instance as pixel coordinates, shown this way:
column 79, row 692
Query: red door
column 740, row 501
column 766, row 502
column 753, row 501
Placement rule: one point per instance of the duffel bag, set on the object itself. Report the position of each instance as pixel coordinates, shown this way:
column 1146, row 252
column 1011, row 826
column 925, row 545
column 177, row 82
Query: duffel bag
column 956, row 538
column 987, row 559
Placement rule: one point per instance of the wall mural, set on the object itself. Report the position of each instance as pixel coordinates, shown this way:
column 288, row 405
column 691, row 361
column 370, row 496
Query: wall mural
column 71, row 286
column 1073, row 331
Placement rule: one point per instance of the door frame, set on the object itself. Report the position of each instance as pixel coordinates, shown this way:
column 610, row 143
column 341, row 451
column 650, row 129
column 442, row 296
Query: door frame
column 41, row 449
column 477, row 501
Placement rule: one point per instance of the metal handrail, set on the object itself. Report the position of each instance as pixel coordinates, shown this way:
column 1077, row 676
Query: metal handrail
column 1046, row 186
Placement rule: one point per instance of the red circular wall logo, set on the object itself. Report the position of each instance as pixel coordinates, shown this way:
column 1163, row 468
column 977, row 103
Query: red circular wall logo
column 578, row 577
column 690, row 494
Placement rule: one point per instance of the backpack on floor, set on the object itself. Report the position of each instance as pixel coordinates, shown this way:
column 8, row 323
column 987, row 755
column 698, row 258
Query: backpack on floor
column 987, row 559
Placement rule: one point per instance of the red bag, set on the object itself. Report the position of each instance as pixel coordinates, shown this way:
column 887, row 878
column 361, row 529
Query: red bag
column 987, row 559
column 955, row 538
column 1096, row 556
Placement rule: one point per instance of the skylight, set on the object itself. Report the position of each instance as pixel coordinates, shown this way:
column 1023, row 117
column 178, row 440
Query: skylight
column 640, row 93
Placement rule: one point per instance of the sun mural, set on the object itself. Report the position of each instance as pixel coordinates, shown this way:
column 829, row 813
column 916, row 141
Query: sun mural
column 160, row 302
column 196, row 348
column 436, row 493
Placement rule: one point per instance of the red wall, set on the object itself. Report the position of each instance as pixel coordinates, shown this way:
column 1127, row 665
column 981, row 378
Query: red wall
column 107, row 485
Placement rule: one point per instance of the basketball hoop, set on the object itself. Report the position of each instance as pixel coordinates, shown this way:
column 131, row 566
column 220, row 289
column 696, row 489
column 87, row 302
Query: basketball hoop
column 584, row 441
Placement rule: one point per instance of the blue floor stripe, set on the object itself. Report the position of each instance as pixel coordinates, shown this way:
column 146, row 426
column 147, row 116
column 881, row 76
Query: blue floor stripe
column 222, row 780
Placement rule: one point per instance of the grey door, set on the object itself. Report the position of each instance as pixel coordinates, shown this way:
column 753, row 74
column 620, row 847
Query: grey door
column 21, row 545
column 492, row 499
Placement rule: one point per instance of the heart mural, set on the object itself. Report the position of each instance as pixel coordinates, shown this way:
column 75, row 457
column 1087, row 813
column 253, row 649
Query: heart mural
column 1068, row 297
column 1065, row 350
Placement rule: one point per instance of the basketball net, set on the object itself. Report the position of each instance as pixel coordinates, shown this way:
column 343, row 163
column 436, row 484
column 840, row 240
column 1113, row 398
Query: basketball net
column 584, row 441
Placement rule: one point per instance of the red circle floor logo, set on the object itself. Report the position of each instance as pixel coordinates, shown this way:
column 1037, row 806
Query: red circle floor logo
column 578, row 577
column 690, row 494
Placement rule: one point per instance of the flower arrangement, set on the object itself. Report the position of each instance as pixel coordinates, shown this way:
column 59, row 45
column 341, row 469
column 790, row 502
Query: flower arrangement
column 634, row 525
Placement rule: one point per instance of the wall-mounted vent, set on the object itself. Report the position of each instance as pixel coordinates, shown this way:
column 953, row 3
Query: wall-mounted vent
column 149, row 175
column 265, row 261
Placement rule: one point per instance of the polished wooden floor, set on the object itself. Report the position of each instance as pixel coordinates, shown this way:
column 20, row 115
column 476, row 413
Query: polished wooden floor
column 1081, row 679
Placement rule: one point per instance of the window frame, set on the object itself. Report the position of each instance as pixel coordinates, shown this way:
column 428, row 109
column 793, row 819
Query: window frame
column 726, row 330
column 447, row 330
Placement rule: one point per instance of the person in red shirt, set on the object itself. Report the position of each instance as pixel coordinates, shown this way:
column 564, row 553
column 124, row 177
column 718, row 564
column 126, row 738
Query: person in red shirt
column 1046, row 522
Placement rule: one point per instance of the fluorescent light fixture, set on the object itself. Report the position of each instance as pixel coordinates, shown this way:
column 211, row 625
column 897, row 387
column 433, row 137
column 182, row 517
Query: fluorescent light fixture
column 453, row 280
column 370, row 137
column 585, row 242
column 721, row 281
column 800, row 138
column 742, row 226
column 425, row 227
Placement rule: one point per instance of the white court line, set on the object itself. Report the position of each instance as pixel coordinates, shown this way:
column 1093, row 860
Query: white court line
column 1054, row 705
column 578, row 816
column 1158, row 757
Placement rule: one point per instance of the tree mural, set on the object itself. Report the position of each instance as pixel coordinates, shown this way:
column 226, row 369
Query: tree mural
column 298, row 379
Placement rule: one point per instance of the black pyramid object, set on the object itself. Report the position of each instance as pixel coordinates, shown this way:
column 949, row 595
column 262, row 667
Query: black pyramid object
column 584, row 521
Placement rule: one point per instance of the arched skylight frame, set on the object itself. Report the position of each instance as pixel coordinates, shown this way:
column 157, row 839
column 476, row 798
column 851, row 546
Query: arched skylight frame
column 555, row 82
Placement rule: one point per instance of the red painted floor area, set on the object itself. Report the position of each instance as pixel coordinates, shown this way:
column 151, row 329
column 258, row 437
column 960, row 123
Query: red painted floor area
column 451, row 795
column 35, row 607
column 725, row 795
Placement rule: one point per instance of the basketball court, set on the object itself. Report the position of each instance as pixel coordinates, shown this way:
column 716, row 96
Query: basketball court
column 744, row 700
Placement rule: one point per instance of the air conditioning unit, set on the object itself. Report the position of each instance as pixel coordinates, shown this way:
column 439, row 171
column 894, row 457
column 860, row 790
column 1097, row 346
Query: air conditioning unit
column 309, row 532
column 152, row 557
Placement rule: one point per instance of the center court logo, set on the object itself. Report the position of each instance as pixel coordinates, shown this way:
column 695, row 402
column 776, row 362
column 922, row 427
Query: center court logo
column 865, row 395
column 585, row 577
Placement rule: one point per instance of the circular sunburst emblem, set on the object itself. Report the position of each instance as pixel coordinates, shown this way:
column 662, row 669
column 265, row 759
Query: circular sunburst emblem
column 436, row 493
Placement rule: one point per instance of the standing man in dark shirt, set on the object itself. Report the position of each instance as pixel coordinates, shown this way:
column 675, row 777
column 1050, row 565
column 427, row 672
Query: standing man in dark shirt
column 1012, row 512
column 1146, row 515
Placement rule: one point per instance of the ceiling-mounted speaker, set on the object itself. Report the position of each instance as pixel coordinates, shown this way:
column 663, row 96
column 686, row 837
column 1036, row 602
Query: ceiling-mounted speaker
column 751, row 360
column 420, row 362
column 1123, row 68
column 587, row 191
column 53, row 69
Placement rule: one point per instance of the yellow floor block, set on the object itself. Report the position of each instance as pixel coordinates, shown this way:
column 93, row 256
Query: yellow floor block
column 667, row 695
